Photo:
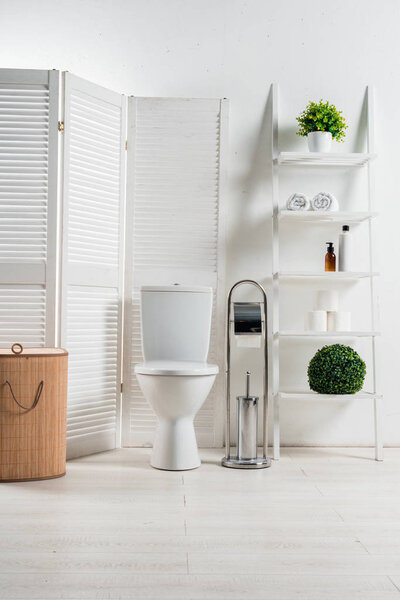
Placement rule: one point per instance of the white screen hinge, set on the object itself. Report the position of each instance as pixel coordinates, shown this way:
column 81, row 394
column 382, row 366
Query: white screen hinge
column 122, row 387
column 126, row 145
column 60, row 125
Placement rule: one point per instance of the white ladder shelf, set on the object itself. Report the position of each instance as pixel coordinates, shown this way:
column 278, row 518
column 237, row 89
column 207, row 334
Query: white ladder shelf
column 282, row 160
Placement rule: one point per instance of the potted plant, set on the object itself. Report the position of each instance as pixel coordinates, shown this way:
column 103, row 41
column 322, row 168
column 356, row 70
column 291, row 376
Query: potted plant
column 321, row 122
column 336, row 369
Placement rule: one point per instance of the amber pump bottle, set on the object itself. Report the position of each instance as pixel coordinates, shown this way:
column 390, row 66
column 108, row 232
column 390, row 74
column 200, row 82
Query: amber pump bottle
column 330, row 258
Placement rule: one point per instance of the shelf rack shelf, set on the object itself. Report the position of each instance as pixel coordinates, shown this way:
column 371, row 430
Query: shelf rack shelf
column 327, row 334
column 316, row 216
column 334, row 276
column 328, row 160
column 314, row 396
column 324, row 159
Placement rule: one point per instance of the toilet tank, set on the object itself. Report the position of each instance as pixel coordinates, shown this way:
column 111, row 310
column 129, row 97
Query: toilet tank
column 176, row 322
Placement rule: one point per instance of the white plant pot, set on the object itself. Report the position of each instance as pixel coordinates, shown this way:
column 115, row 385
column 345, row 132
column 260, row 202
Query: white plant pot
column 319, row 141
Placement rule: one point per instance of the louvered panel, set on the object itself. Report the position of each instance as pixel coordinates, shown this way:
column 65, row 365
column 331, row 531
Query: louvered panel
column 176, row 185
column 92, row 341
column 206, row 420
column 94, row 181
column 175, row 174
column 139, row 417
column 22, row 315
column 94, row 188
column 24, row 137
column 28, row 206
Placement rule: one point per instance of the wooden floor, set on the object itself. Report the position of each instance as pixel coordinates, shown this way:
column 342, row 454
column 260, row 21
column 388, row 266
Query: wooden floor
column 319, row 524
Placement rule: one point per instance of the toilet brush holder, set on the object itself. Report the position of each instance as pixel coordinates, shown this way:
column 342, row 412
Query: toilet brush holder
column 247, row 409
column 249, row 322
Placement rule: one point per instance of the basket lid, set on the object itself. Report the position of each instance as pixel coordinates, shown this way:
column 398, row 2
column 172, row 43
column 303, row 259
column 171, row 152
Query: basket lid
column 18, row 350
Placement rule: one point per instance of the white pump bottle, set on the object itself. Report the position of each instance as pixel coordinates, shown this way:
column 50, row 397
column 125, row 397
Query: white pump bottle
column 345, row 249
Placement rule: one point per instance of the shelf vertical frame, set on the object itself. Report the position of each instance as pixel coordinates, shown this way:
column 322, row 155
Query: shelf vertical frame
column 378, row 400
column 275, row 268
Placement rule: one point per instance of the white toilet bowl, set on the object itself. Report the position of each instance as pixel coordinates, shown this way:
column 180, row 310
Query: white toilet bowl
column 176, row 391
column 175, row 377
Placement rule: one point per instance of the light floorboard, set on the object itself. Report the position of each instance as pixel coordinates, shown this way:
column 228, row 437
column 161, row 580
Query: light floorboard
column 151, row 543
column 300, row 564
column 321, row 524
column 61, row 586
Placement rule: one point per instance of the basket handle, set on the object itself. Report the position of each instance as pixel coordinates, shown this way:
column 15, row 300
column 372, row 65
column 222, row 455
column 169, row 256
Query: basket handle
column 36, row 400
column 17, row 348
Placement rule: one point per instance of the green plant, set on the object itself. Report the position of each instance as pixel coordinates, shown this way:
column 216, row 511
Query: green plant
column 322, row 116
column 336, row 369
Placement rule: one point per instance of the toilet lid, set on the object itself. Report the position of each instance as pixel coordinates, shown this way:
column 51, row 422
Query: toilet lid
column 173, row 367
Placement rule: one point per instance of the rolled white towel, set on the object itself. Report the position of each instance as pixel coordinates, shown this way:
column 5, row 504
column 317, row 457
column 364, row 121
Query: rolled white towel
column 298, row 201
column 324, row 201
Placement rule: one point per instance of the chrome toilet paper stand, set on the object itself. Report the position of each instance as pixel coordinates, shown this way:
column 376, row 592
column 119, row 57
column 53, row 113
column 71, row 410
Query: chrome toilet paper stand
column 249, row 321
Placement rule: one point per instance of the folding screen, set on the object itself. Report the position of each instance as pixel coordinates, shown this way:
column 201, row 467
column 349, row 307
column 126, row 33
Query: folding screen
column 28, row 206
column 174, row 233
column 63, row 216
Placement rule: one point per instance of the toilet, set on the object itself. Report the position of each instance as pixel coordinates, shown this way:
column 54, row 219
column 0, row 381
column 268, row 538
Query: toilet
column 175, row 377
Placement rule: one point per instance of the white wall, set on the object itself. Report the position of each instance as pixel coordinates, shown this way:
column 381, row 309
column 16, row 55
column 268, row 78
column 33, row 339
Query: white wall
column 236, row 48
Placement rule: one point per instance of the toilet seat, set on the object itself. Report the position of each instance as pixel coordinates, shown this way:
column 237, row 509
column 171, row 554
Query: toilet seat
column 175, row 368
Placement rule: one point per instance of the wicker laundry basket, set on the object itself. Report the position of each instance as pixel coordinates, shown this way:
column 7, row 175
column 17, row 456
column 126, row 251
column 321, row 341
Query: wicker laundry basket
column 33, row 403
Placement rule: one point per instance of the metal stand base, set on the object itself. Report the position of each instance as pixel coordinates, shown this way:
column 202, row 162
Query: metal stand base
column 241, row 463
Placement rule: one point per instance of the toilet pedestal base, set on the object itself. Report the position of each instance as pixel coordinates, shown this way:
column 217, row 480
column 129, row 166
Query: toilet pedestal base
column 175, row 445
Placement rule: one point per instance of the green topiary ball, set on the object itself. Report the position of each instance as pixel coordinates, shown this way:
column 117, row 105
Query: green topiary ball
column 336, row 369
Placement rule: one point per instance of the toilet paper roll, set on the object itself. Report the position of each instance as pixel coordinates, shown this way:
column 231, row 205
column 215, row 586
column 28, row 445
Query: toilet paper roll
column 341, row 320
column 248, row 341
column 327, row 300
column 331, row 321
column 316, row 320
